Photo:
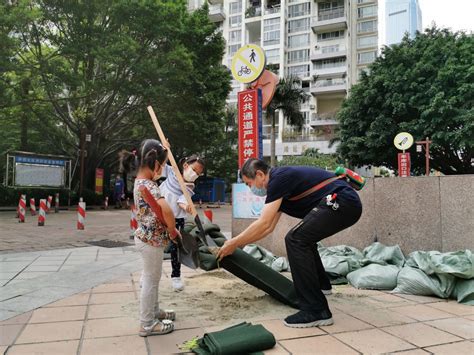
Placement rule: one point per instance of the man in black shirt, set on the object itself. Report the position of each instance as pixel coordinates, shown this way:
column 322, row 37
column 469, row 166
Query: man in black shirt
column 325, row 203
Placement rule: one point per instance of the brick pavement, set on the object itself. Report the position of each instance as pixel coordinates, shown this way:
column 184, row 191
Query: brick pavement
column 60, row 229
column 97, row 321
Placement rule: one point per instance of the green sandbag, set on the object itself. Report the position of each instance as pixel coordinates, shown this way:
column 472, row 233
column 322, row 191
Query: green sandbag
column 250, row 270
column 207, row 260
column 375, row 277
column 243, row 338
column 377, row 253
column 340, row 260
column 459, row 263
column 413, row 281
column 263, row 255
column 464, row 291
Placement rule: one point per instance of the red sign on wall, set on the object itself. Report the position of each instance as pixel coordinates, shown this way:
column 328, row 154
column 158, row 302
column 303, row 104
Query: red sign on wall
column 250, row 125
column 403, row 164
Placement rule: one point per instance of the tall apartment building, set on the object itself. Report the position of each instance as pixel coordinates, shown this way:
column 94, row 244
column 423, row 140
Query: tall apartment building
column 325, row 43
column 401, row 16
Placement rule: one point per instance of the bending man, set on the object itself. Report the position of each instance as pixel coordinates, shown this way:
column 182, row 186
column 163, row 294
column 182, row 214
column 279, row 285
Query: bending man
column 325, row 203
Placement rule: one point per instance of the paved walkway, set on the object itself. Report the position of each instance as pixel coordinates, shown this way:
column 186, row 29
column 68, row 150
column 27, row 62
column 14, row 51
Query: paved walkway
column 59, row 231
column 60, row 295
column 80, row 310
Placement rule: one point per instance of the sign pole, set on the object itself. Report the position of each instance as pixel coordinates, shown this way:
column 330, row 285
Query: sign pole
column 426, row 143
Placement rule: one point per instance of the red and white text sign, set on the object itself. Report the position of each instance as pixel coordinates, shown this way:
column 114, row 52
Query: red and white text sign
column 249, row 121
column 403, row 164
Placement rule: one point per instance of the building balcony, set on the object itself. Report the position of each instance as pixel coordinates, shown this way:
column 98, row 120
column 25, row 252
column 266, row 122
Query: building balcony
column 330, row 71
column 316, row 120
column 329, row 52
column 216, row 13
column 272, row 10
column 331, row 86
column 329, row 20
column 253, row 11
column 215, row 2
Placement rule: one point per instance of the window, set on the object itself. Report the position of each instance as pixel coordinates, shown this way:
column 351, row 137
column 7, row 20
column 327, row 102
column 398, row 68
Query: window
column 367, row 26
column 271, row 31
column 331, row 49
column 273, row 55
column 330, row 63
column 326, row 36
column 364, row 1
column 298, row 40
column 298, row 25
column 301, row 55
column 235, row 36
column 367, row 11
column 300, row 70
column 299, row 10
column 235, row 7
column 366, row 57
column 235, row 21
column 330, row 5
column 232, row 49
column 369, row 41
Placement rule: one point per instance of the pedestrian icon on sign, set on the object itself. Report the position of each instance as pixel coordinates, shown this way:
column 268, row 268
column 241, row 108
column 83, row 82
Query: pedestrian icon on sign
column 252, row 56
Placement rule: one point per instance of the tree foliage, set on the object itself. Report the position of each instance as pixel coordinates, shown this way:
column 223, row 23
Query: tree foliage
column 288, row 98
column 424, row 86
column 312, row 157
column 94, row 66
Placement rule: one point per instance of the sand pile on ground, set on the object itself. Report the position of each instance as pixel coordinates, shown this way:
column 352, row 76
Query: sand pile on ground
column 216, row 297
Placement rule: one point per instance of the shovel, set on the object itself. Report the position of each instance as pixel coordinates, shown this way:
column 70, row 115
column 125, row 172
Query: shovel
column 187, row 244
column 207, row 241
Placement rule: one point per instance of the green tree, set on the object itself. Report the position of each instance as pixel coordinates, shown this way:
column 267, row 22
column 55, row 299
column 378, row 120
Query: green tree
column 222, row 157
column 312, row 157
column 424, row 86
column 100, row 63
column 288, row 98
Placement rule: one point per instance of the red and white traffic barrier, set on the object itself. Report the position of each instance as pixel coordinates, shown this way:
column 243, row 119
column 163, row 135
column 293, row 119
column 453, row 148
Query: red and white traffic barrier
column 133, row 218
column 207, row 216
column 56, row 203
column 81, row 215
column 42, row 212
column 106, row 203
column 22, row 209
column 48, row 203
column 32, row 207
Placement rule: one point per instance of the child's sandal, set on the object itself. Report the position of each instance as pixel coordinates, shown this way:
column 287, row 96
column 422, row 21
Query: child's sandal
column 168, row 314
column 157, row 328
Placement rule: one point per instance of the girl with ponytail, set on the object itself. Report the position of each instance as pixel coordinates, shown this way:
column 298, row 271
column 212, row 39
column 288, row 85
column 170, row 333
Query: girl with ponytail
column 151, row 236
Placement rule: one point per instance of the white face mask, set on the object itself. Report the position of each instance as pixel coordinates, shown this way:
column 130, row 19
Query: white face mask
column 190, row 175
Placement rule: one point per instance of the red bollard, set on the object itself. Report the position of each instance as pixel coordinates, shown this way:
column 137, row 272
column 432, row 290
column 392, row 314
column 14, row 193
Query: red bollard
column 42, row 213
column 32, row 207
column 81, row 215
column 22, row 209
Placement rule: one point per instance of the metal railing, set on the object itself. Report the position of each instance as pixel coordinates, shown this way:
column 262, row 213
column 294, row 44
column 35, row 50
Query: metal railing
column 335, row 12
column 326, row 83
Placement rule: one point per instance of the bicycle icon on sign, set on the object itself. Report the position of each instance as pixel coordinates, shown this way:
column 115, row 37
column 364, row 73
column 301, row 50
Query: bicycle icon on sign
column 244, row 70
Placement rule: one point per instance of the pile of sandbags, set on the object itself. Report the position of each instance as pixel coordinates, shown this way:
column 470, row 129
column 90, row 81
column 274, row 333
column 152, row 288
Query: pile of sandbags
column 380, row 267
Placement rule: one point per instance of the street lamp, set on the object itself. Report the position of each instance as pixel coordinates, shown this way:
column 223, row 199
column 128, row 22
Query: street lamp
column 419, row 148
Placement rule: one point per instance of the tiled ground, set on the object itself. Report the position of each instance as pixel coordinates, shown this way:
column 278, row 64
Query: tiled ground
column 369, row 322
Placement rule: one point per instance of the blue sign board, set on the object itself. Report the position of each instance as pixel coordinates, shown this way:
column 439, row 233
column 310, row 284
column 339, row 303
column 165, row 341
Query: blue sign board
column 244, row 203
column 42, row 161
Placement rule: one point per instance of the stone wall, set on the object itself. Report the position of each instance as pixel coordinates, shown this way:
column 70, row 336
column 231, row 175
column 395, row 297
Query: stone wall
column 417, row 213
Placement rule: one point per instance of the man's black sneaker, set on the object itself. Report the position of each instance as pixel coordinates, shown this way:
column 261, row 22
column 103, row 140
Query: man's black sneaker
column 305, row 319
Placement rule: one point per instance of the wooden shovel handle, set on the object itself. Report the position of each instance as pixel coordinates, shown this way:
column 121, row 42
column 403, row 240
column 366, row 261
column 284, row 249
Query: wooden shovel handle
column 173, row 162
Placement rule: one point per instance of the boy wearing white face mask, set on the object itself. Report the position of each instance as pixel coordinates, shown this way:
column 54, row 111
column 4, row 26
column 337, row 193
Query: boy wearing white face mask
column 191, row 167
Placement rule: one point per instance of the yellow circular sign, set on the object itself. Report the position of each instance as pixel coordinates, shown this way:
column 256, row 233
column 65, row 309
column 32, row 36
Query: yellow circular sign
column 403, row 141
column 248, row 63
